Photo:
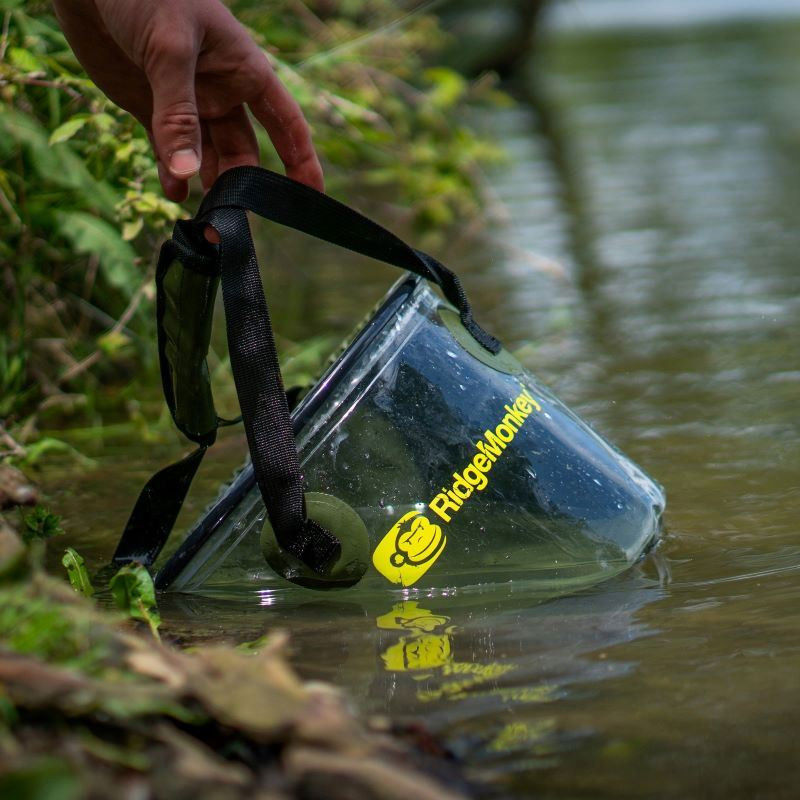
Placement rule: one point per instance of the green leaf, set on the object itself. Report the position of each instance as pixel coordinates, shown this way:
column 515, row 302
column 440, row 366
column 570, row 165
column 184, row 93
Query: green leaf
column 41, row 524
column 91, row 235
column 448, row 86
column 23, row 59
column 56, row 165
column 134, row 593
column 132, row 228
column 77, row 572
column 68, row 129
column 49, row 444
column 114, row 344
column 103, row 122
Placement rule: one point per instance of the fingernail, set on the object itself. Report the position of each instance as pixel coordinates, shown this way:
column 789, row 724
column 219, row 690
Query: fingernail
column 184, row 163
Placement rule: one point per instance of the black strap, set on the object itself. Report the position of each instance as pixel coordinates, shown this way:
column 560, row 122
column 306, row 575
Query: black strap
column 254, row 358
column 153, row 517
column 262, row 398
column 287, row 202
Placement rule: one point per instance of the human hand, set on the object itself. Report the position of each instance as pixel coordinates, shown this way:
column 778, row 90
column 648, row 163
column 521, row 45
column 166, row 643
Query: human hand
column 186, row 69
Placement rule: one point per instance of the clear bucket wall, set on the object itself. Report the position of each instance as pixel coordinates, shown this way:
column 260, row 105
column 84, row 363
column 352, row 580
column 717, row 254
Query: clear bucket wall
column 464, row 469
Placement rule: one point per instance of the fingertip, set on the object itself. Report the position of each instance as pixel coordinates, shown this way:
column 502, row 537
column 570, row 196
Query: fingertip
column 178, row 193
column 289, row 132
column 309, row 172
column 174, row 189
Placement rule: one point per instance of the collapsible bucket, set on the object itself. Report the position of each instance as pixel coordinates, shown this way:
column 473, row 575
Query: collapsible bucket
column 426, row 456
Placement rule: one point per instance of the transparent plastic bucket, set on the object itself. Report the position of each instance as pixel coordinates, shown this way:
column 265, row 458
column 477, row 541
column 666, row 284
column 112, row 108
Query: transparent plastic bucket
column 462, row 467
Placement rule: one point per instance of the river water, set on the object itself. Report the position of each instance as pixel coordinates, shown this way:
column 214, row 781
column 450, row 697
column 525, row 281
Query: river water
column 647, row 269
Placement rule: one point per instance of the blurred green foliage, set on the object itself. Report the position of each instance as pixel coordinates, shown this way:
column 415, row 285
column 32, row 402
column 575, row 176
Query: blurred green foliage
column 81, row 212
column 40, row 524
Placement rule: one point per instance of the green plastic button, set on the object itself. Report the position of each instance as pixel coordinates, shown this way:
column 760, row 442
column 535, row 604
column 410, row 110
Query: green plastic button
column 344, row 523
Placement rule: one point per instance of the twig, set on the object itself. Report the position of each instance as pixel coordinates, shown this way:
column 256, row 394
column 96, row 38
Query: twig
column 88, row 286
column 56, row 347
column 302, row 10
column 29, row 81
column 81, row 366
column 47, row 387
column 411, row 93
column 93, row 312
column 94, row 357
column 356, row 42
column 14, row 447
column 49, row 308
column 4, row 35
column 7, row 206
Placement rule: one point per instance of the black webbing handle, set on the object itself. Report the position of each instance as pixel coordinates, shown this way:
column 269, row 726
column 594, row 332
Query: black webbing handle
column 253, row 355
column 295, row 205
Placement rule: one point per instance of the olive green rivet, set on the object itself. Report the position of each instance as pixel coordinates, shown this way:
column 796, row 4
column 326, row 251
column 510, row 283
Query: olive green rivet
column 345, row 524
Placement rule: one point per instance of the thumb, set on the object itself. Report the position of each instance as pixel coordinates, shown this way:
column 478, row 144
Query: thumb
column 175, row 123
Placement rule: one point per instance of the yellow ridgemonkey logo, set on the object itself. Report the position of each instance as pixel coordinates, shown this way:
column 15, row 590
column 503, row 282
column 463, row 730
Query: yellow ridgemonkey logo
column 409, row 549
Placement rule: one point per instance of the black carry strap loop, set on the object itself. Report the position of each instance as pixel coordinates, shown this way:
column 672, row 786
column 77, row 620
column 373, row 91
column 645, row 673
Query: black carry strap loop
column 161, row 499
column 251, row 343
column 287, row 202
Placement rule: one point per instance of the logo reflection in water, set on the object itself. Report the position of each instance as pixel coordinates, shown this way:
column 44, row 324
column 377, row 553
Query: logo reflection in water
column 425, row 652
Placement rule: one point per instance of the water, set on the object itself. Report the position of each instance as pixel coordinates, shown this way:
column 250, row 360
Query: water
column 661, row 169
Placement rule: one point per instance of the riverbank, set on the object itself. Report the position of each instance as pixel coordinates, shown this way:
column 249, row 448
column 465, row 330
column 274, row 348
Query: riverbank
column 91, row 707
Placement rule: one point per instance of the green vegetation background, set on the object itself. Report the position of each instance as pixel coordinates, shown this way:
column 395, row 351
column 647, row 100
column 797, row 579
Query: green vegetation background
column 81, row 214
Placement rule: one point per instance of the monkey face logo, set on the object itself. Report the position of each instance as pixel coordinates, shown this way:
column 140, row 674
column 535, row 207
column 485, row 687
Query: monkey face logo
column 418, row 543
column 409, row 549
